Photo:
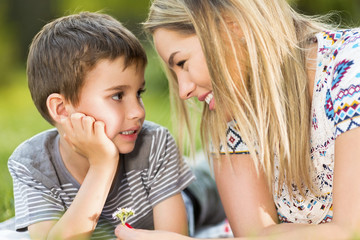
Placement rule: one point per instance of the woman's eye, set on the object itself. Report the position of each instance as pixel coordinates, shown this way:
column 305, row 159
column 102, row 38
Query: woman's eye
column 140, row 92
column 118, row 96
column 181, row 64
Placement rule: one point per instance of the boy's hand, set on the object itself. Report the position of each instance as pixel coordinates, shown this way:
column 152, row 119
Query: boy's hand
column 88, row 138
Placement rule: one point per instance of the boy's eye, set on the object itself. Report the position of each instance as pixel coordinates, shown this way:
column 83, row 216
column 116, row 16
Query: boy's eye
column 118, row 96
column 140, row 92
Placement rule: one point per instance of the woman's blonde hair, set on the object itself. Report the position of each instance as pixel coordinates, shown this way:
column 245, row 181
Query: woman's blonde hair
column 259, row 76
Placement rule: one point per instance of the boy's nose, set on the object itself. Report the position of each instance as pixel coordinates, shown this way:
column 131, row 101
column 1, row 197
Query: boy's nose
column 136, row 110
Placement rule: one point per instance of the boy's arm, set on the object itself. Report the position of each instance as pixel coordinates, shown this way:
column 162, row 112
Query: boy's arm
column 82, row 216
column 78, row 222
column 170, row 215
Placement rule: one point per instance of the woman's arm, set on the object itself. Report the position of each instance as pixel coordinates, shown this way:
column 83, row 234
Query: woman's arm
column 346, row 194
column 240, row 189
column 346, row 186
column 170, row 215
column 247, row 200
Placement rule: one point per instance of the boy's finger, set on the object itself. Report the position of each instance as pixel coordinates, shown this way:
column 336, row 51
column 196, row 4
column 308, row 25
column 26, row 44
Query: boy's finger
column 99, row 127
column 88, row 124
column 76, row 120
column 67, row 126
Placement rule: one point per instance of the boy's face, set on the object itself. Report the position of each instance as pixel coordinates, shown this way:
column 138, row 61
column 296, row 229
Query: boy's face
column 113, row 95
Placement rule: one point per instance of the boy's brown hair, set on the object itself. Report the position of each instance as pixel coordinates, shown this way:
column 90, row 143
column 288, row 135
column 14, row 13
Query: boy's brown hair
column 66, row 49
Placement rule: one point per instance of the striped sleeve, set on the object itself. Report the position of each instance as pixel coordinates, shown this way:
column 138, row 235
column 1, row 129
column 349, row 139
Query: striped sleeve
column 33, row 201
column 168, row 173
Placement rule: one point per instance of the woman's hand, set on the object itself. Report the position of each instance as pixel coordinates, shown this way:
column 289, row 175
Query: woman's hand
column 125, row 233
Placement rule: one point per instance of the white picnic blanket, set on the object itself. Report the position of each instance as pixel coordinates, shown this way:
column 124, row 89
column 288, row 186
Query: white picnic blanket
column 221, row 230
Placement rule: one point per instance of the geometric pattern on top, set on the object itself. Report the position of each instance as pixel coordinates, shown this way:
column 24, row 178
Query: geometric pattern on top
column 235, row 144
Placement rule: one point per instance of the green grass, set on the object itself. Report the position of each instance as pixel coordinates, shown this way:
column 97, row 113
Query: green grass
column 19, row 120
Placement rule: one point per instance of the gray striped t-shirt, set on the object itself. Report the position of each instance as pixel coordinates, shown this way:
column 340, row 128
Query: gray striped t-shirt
column 44, row 189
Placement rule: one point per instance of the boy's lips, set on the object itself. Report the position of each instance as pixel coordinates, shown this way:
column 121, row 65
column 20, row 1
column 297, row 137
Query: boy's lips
column 131, row 131
column 128, row 132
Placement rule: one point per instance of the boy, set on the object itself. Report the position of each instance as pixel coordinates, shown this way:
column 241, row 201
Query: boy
column 86, row 77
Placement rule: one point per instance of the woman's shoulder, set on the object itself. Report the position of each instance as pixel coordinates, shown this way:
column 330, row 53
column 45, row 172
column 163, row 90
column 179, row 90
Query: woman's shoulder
column 337, row 34
column 333, row 41
column 338, row 58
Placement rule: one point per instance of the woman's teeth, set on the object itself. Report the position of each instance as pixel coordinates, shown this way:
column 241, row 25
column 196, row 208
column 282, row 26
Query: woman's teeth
column 128, row 132
column 208, row 98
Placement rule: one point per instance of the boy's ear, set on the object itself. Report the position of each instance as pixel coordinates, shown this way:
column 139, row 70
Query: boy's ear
column 57, row 106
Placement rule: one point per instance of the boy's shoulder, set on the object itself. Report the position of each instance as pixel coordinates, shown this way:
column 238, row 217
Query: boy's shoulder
column 36, row 144
column 36, row 153
column 153, row 140
column 151, row 135
column 150, row 128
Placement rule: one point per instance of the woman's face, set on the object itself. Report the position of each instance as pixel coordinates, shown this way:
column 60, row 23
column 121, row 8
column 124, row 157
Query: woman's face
column 184, row 56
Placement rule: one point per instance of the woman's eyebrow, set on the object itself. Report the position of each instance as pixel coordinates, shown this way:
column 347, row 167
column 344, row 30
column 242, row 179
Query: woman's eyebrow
column 171, row 59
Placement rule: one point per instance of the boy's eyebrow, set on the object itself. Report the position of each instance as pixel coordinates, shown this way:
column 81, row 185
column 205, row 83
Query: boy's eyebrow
column 171, row 59
column 116, row 88
column 121, row 87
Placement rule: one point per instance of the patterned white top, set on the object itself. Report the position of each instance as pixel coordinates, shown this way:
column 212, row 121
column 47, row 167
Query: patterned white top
column 335, row 110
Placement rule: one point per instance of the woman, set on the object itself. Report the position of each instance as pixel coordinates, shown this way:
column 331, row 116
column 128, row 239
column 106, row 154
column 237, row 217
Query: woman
column 285, row 84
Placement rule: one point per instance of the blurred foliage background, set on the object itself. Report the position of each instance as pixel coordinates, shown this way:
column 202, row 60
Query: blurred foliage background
column 20, row 20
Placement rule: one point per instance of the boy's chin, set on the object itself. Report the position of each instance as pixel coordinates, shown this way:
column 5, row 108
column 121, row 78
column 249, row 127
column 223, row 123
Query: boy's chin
column 126, row 149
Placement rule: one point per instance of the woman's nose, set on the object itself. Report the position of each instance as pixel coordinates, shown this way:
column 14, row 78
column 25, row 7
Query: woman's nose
column 186, row 88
